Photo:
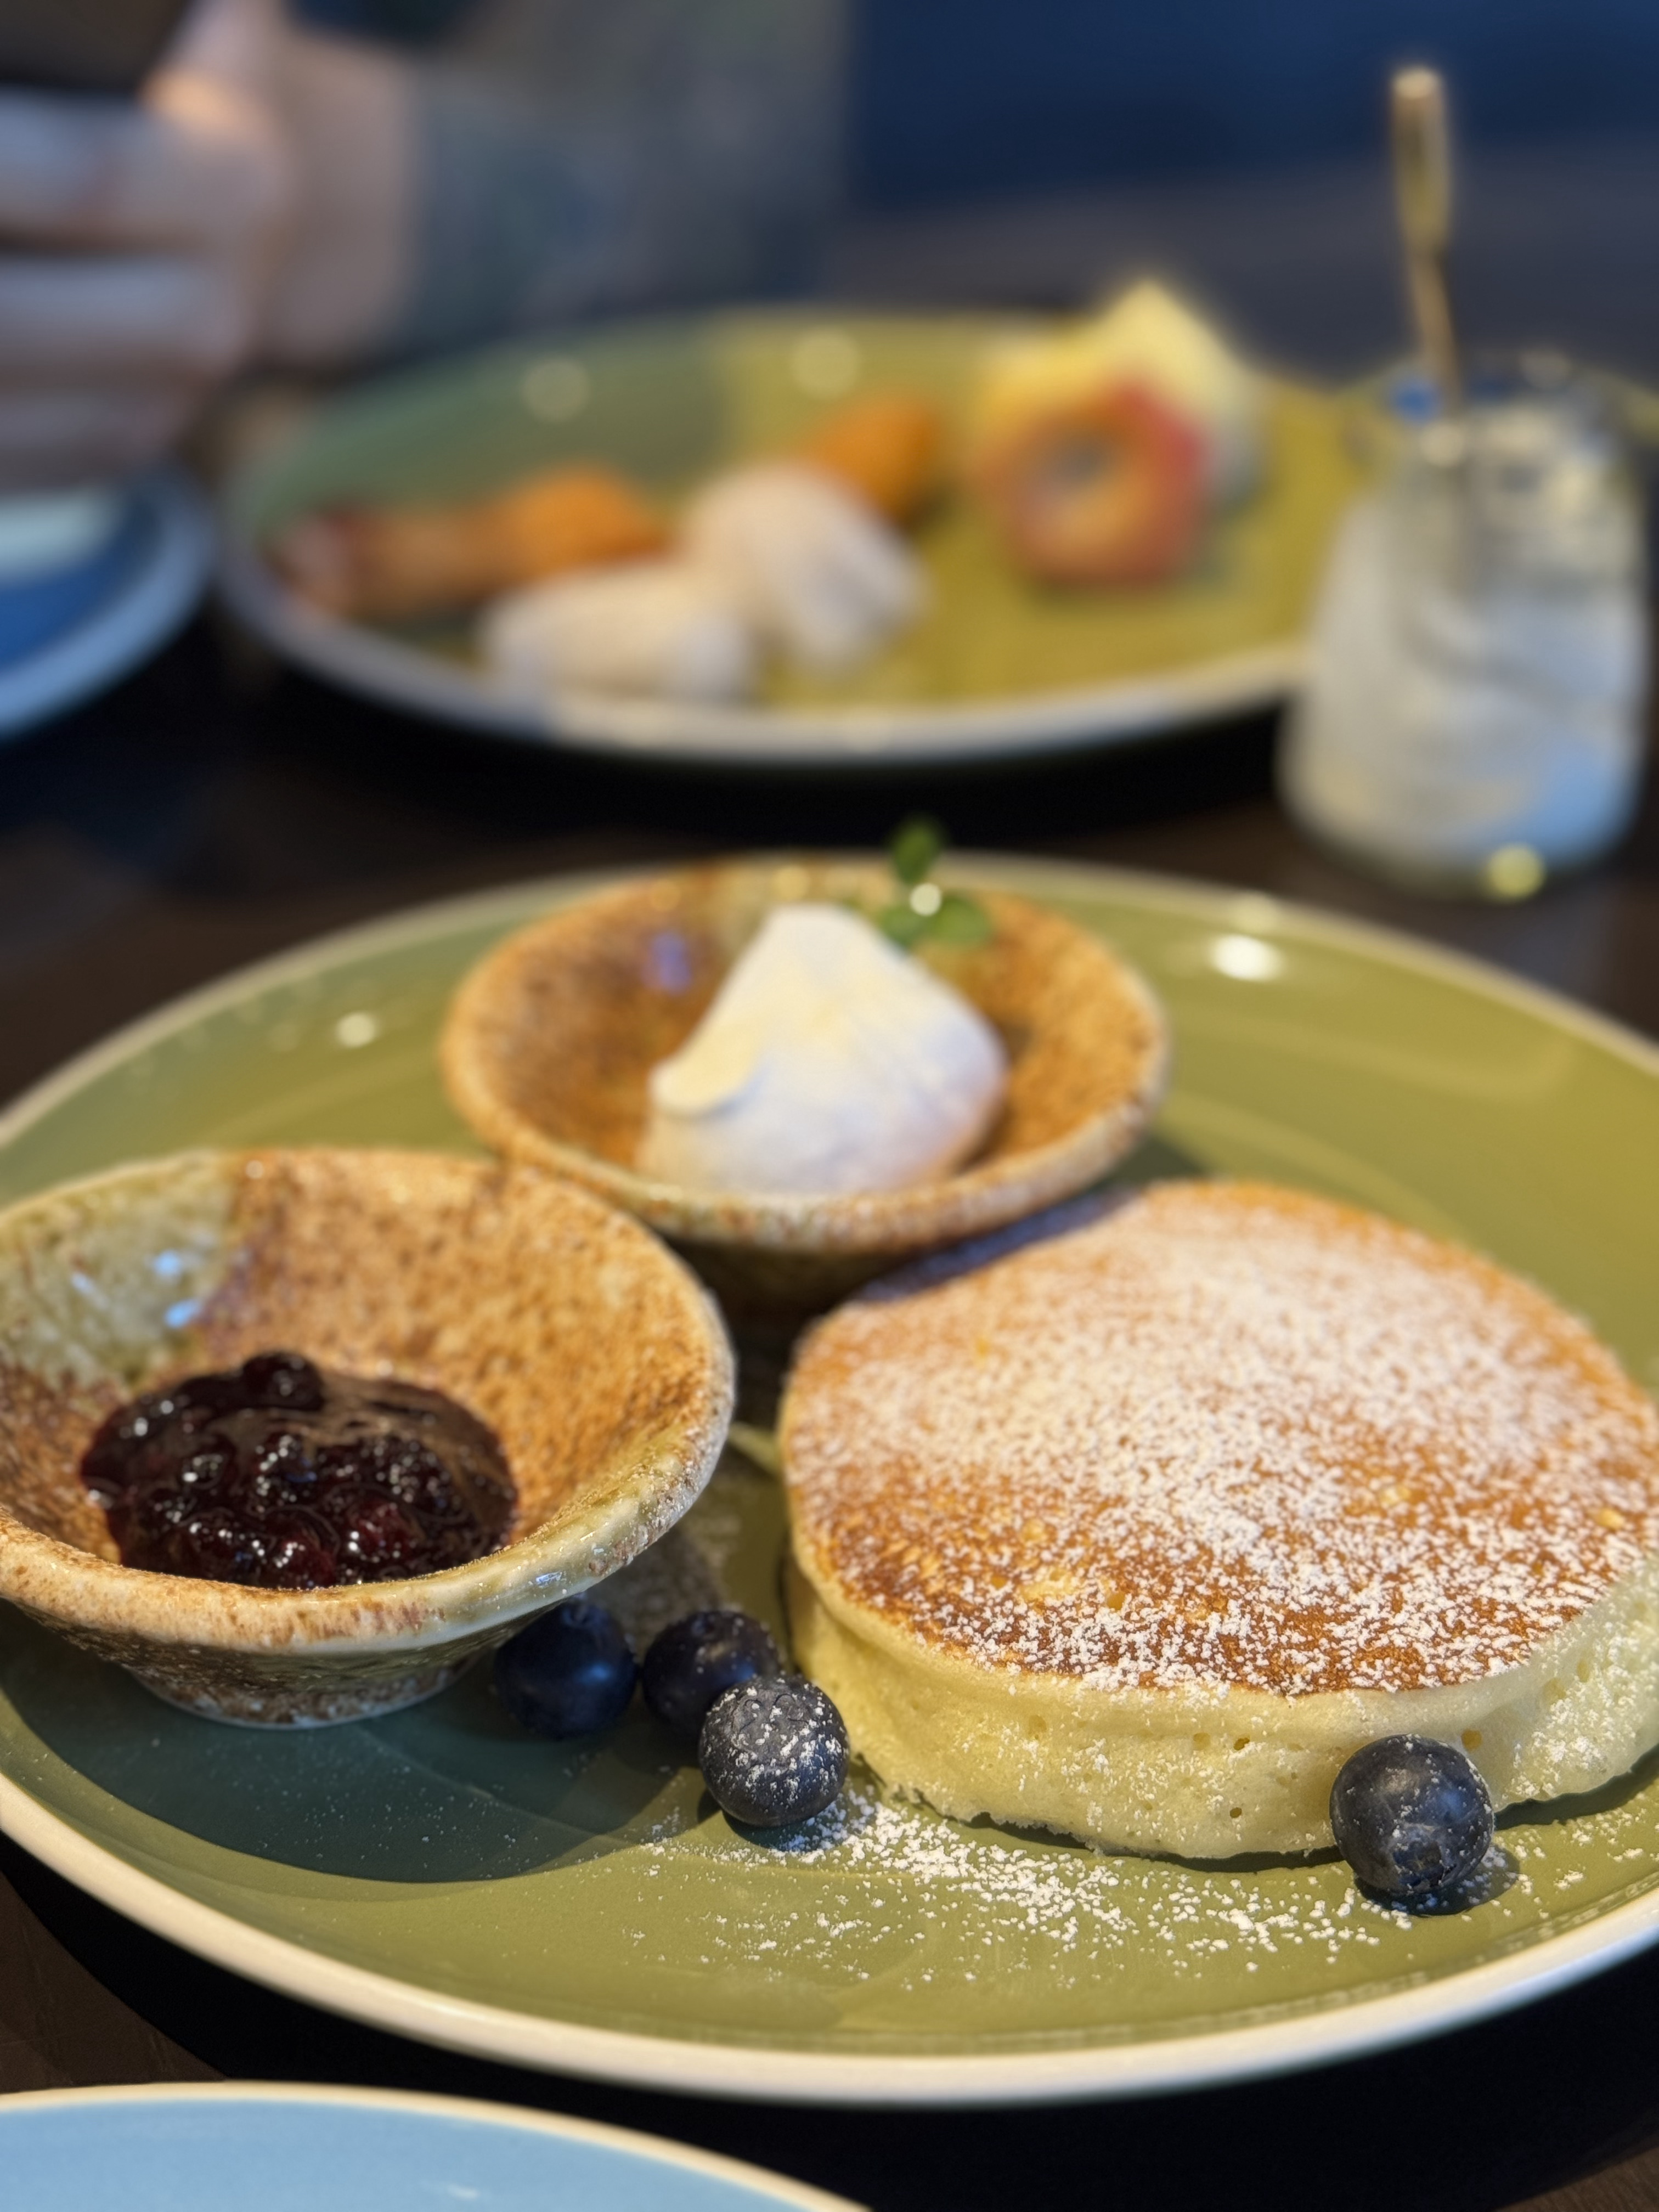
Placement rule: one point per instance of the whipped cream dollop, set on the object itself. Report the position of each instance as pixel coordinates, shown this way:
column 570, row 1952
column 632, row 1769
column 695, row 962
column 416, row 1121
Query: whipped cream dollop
column 822, row 577
column 774, row 558
column 829, row 1061
column 664, row 630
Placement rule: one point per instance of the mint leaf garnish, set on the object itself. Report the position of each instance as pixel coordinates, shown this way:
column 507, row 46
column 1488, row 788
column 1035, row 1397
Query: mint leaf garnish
column 959, row 922
column 913, row 847
column 903, row 923
column 927, row 913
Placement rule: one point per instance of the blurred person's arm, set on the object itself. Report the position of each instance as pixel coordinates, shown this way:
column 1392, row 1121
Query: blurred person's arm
column 253, row 202
column 582, row 156
column 279, row 196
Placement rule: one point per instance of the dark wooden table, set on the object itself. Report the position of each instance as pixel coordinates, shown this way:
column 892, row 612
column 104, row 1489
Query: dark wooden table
column 212, row 812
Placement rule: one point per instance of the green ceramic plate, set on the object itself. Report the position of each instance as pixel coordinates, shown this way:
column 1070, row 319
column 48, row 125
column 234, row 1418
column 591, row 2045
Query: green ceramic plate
column 997, row 666
column 441, row 1874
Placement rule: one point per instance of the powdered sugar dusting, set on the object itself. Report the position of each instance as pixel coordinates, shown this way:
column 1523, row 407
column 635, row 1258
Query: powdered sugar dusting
column 1226, row 1436
column 890, row 1892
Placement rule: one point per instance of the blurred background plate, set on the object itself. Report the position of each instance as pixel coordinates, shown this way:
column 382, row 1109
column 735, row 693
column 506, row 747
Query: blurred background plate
column 72, row 633
column 996, row 668
column 267, row 2148
column 583, row 1907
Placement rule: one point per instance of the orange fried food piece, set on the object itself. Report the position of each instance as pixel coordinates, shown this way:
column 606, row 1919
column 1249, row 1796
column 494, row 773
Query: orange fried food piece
column 1105, row 490
column 391, row 563
column 889, row 448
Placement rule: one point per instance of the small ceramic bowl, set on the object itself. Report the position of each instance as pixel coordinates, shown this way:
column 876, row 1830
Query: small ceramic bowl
column 550, row 1039
column 594, row 1355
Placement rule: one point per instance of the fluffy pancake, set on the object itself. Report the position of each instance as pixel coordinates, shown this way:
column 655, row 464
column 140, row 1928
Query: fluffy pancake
column 1136, row 1528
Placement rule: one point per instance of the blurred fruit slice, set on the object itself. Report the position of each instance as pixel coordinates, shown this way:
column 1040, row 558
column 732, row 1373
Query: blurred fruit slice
column 1105, row 488
column 394, row 563
column 888, row 447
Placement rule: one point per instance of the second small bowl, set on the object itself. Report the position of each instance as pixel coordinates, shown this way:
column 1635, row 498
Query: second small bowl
column 551, row 1038
column 593, row 1354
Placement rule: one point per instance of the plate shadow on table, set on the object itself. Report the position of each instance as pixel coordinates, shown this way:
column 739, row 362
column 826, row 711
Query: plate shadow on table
column 513, row 788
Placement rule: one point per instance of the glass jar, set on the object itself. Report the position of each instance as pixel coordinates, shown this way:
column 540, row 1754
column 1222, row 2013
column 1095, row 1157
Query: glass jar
column 1471, row 718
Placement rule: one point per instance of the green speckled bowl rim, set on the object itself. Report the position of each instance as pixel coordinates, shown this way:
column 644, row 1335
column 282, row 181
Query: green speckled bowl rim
column 1528, row 1967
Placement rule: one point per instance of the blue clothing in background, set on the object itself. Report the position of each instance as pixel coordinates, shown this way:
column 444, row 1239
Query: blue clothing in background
column 953, row 98
column 958, row 98
column 1035, row 151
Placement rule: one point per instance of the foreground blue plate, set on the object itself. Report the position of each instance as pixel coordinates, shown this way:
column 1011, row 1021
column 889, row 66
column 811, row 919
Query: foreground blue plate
column 266, row 2147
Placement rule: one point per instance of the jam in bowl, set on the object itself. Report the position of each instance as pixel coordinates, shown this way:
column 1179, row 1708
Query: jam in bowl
column 566, row 1337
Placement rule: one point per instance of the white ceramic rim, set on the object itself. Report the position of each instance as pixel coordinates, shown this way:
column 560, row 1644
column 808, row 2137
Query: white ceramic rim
column 749, row 2071
column 655, row 2150
column 140, row 614
column 754, row 737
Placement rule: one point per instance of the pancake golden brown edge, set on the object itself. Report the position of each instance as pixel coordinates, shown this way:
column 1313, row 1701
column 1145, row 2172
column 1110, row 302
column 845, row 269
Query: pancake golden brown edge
column 1137, row 1529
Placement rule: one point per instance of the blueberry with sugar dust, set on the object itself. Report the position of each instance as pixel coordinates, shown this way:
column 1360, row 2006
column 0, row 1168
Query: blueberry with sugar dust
column 772, row 1751
column 1411, row 1817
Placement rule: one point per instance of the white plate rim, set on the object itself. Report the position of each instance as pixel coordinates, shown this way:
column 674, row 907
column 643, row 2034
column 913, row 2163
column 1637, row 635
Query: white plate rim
column 745, row 2071
column 633, row 2142
column 1025, row 724
column 139, row 615
column 748, row 2072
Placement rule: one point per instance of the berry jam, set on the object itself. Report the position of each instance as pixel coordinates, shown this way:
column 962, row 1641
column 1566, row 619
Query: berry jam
column 293, row 1477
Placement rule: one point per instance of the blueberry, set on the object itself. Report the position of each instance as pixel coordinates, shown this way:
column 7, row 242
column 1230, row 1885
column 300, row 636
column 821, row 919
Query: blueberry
column 1411, row 1816
column 772, row 1750
column 570, row 1673
column 697, row 1659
